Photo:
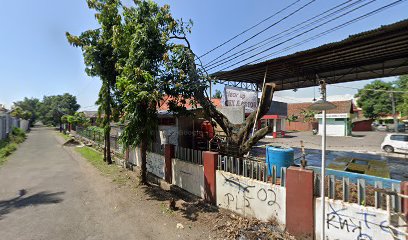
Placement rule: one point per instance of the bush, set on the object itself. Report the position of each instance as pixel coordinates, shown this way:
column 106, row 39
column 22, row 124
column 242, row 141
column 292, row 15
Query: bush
column 18, row 132
column 8, row 149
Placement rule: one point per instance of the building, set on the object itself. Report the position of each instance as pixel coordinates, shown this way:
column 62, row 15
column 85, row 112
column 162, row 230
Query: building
column 338, row 120
column 276, row 117
column 298, row 117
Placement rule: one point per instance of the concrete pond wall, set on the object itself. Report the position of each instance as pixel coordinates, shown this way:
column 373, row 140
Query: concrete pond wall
column 250, row 197
column 352, row 221
column 188, row 176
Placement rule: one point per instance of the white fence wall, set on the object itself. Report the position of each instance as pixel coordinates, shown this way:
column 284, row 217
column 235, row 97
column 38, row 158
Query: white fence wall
column 251, row 197
column 134, row 156
column 155, row 164
column 352, row 221
column 24, row 125
column 188, row 176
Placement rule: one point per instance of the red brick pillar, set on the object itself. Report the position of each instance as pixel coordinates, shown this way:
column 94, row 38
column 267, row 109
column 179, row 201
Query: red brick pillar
column 299, row 202
column 210, row 166
column 168, row 155
column 404, row 190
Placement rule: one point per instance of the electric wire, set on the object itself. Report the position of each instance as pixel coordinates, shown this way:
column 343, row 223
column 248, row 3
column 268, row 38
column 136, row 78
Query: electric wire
column 307, row 31
column 328, row 31
column 289, row 31
column 368, row 89
column 250, row 28
column 265, row 29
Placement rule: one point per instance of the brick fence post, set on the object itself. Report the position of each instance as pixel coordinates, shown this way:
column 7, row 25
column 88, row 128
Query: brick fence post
column 168, row 155
column 404, row 190
column 299, row 202
column 210, row 166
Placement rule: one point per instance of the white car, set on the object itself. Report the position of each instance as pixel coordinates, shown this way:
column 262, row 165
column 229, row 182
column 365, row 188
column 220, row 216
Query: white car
column 395, row 142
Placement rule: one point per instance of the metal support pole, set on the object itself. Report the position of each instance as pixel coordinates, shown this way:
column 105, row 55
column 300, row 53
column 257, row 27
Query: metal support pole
column 394, row 115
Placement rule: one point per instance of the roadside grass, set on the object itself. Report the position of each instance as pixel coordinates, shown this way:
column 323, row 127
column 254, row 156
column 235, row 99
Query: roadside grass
column 9, row 145
column 96, row 159
column 65, row 136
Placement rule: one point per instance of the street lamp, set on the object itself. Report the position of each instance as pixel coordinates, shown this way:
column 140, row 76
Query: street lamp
column 323, row 105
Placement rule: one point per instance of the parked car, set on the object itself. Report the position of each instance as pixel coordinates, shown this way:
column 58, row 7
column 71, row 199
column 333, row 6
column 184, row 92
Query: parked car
column 395, row 142
column 381, row 127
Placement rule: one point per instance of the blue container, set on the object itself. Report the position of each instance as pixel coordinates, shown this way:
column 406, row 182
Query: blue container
column 279, row 157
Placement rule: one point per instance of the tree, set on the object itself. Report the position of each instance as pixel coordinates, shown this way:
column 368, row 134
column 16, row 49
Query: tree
column 18, row 112
column 402, row 98
column 153, row 62
column 308, row 115
column 31, row 105
column 217, row 94
column 54, row 107
column 375, row 103
column 292, row 118
column 101, row 59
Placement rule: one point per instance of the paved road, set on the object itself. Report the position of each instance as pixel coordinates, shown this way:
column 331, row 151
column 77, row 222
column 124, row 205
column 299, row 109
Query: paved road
column 46, row 192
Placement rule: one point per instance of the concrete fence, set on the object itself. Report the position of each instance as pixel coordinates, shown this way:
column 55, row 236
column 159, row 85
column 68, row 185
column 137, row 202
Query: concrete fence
column 250, row 188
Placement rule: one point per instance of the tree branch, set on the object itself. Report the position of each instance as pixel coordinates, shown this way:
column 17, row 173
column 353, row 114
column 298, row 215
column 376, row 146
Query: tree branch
column 181, row 38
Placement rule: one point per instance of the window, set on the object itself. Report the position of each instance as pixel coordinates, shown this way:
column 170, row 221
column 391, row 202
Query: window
column 403, row 138
column 339, row 119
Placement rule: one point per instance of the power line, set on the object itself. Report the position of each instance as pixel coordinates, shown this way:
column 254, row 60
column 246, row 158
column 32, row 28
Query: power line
column 368, row 89
column 300, row 34
column 329, row 31
column 248, row 29
column 263, row 30
column 289, row 31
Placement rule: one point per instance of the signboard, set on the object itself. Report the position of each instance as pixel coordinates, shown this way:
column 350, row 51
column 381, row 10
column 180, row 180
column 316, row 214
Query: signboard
column 234, row 96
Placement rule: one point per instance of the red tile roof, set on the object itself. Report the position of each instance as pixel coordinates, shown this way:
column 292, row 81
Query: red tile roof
column 342, row 107
column 165, row 107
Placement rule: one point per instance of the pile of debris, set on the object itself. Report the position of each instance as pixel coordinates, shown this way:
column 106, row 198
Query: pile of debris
column 240, row 228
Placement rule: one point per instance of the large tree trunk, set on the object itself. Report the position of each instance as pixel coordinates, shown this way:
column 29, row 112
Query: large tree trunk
column 238, row 137
column 107, row 126
column 143, row 167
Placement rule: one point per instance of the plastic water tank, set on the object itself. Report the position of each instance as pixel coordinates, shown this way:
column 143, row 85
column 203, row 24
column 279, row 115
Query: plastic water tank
column 279, row 157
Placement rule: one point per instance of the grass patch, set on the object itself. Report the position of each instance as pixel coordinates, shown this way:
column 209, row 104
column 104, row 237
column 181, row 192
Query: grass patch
column 65, row 136
column 10, row 144
column 96, row 159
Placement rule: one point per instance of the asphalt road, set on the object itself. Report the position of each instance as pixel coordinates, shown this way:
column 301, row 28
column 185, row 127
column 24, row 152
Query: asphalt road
column 47, row 192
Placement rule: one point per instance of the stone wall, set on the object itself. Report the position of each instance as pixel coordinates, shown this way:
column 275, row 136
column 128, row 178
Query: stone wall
column 155, row 164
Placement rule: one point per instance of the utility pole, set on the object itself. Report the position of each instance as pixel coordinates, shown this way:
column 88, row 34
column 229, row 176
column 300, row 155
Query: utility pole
column 394, row 115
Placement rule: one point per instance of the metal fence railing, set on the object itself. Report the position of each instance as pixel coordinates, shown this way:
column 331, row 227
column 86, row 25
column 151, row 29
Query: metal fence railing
column 97, row 136
column 254, row 168
column 359, row 191
column 189, row 155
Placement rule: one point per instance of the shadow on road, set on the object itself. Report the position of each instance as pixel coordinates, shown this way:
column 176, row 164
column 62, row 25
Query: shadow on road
column 189, row 205
column 45, row 197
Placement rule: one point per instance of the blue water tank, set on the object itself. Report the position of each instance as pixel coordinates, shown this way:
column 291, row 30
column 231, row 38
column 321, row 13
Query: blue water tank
column 280, row 157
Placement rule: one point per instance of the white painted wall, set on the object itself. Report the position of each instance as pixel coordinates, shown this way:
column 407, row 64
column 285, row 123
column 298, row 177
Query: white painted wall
column 155, row 164
column 24, row 125
column 188, row 176
column 352, row 221
column 250, row 197
column 134, row 156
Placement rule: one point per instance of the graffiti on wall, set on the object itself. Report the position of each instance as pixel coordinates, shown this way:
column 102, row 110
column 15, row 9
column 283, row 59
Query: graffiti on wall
column 249, row 197
column 155, row 164
column 357, row 224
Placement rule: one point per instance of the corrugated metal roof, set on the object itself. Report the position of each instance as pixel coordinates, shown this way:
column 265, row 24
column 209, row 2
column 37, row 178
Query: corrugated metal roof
column 381, row 52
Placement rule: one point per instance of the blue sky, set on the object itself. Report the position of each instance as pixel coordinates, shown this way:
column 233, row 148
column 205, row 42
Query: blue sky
column 36, row 59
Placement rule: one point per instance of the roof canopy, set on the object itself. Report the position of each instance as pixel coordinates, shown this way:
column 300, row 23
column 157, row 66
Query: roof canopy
column 382, row 52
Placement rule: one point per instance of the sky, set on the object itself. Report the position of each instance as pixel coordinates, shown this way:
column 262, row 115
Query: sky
column 36, row 59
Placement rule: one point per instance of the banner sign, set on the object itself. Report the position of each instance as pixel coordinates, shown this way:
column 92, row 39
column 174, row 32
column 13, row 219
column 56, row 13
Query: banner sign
column 234, row 96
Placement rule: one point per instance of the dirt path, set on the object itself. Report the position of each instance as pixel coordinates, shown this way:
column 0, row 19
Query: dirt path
column 48, row 192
